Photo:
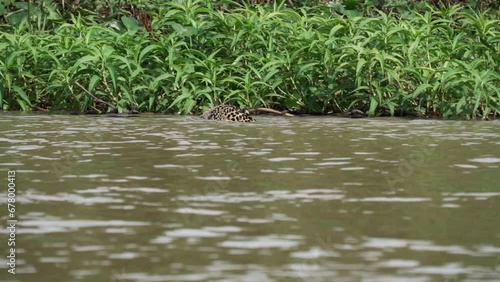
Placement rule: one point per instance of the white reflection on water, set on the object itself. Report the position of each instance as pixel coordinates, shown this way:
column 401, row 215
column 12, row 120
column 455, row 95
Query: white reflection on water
column 269, row 196
column 41, row 226
column 447, row 269
column 68, row 197
column 398, row 263
column 305, row 153
column 487, row 160
column 425, row 246
column 190, row 233
column 84, row 176
column 353, row 168
column 390, row 199
column 148, row 277
column 11, row 164
column 27, row 147
column 125, row 255
column 54, row 260
column 199, row 211
column 314, row 253
column 466, row 166
column 216, row 178
column 476, row 194
column 282, row 159
column 332, row 163
column 272, row 241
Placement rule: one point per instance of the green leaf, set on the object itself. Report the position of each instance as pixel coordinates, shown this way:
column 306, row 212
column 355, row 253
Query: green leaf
column 160, row 79
column 107, row 51
column 359, row 66
column 18, row 17
column 21, row 94
column 2, row 91
column 373, row 106
column 306, row 67
column 420, row 89
column 146, row 51
column 112, row 74
column 130, row 23
column 334, row 29
column 93, row 81
column 186, row 31
column 460, row 104
column 85, row 59
column 23, row 105
column 183, row 97
column 151, row 102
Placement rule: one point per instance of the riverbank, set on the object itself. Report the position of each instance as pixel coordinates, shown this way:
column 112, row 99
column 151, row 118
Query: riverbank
column 430, row 62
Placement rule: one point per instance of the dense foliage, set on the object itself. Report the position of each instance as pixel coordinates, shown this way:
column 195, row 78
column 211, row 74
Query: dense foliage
column 182, row 56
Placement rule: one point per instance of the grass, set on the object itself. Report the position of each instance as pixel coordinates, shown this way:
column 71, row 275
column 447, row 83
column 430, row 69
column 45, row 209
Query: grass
column 437, row 62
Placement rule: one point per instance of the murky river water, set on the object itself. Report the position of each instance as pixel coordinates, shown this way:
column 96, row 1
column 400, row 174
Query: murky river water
column 165, row 198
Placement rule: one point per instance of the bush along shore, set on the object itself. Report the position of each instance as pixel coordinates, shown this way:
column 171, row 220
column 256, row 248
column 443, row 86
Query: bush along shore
column 185, row 56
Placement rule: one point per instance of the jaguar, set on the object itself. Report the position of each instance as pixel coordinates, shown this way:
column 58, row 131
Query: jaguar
column 228, row 113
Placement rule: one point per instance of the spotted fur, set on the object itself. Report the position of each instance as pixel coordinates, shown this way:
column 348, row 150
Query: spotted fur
column 228, row 113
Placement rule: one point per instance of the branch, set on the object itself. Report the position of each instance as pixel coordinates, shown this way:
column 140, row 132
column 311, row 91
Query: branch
column 267, row 110
column 95, row 98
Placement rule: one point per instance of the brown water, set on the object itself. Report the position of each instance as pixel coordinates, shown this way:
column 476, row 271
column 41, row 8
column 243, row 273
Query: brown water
column 165, row 198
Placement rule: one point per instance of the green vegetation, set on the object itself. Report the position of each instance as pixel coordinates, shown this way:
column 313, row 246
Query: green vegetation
column 437, row 61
